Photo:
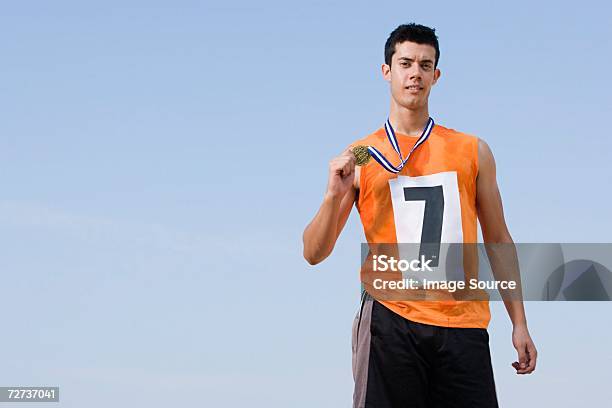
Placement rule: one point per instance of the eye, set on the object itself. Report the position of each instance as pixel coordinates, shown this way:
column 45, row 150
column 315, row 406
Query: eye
column 426, row 67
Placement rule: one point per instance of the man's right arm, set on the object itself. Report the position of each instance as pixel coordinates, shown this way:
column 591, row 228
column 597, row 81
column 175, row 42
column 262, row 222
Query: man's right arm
column 321, row 234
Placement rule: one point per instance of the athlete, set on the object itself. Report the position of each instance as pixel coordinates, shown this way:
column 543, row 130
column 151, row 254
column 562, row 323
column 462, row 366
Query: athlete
column 429, row 353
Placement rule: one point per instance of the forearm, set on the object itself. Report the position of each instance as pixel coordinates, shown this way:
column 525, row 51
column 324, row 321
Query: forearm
column 516, row 312
column 321, row 234
column 505, row 267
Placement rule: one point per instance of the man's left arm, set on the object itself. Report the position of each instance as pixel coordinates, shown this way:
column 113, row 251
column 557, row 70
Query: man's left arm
column 503, row 256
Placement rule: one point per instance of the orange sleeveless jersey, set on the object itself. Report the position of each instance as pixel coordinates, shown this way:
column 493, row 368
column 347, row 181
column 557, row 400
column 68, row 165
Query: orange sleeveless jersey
column 449, row 159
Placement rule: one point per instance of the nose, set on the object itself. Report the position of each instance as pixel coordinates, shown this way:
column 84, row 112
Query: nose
column 415, row 71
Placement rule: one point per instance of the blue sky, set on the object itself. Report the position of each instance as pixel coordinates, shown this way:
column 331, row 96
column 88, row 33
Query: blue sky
column 159, row 161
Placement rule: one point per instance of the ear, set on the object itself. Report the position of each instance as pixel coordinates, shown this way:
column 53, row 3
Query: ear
column 437, row 74
column 386, row 72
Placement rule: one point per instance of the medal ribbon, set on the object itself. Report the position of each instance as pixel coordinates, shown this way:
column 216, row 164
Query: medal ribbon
column 383, row 161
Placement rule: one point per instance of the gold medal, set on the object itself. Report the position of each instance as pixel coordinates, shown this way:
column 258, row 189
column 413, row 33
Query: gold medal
column 362, row 155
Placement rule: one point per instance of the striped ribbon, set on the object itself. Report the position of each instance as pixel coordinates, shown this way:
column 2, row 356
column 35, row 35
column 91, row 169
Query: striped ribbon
column 382, row 160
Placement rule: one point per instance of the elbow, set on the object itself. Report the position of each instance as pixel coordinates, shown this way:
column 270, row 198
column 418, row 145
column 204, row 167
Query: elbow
column 315, row 255
column 311, row 258
column 315, row 251
column 311, row 252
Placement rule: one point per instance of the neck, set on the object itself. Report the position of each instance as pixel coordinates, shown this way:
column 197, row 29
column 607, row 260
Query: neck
column 408, row 121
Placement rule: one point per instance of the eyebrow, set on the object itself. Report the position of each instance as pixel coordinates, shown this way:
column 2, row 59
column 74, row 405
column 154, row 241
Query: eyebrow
column 427, row 60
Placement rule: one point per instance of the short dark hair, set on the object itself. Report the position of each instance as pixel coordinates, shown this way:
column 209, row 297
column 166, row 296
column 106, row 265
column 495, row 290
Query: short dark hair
column 412, row 32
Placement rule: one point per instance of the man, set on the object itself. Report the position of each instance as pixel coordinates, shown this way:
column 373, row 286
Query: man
column 419, row 353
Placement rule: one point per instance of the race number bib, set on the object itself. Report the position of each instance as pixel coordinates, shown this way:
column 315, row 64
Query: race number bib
column 427, row 212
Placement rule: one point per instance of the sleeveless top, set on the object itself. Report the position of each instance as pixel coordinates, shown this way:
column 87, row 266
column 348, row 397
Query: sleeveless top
column 391, row 207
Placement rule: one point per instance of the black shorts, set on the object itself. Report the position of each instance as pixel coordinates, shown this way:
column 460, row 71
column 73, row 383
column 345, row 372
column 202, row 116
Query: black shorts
column 398, row 363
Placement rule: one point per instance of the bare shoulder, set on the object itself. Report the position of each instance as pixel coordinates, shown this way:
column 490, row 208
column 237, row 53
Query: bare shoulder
column 483, row 148
column 485, row 155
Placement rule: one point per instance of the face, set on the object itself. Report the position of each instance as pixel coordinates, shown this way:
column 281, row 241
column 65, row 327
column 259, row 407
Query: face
column 411, row 74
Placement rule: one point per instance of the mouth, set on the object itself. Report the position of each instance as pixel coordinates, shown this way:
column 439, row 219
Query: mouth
column 414, row 88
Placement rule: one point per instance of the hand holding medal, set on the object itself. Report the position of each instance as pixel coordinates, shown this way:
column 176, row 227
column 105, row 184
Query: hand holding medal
column 341, row 174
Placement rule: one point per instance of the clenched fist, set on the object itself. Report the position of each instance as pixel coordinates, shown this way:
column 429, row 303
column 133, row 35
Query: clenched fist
column 341, row 174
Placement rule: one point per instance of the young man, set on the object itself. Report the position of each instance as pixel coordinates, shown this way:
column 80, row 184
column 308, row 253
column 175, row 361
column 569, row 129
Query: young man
column 419, row 353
